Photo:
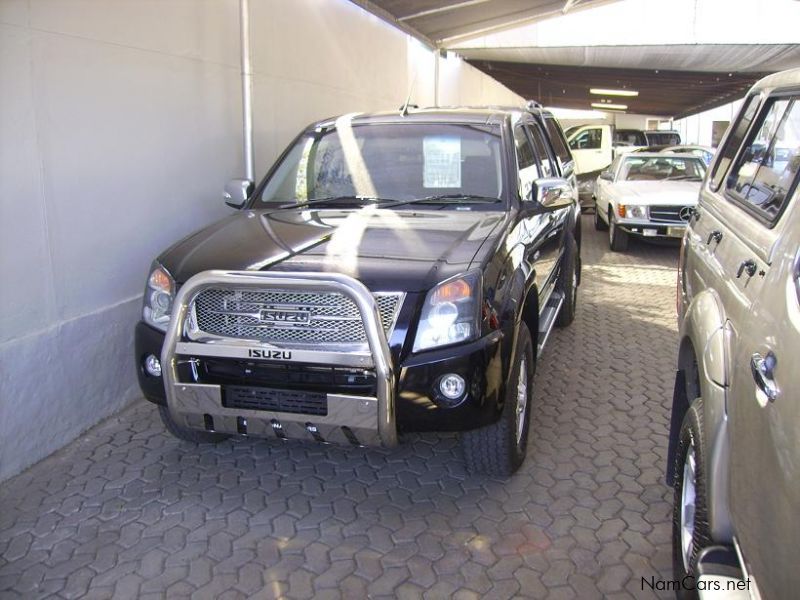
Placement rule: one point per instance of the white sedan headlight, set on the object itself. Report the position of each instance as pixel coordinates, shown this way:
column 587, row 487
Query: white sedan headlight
column 158, row 297
column 451, row 313
column 635, row 211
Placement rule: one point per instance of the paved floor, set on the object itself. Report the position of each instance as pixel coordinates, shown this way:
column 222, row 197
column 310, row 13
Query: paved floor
column 127, row 511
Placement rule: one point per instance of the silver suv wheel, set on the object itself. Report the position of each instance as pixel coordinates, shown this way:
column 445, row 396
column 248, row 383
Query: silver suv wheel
column 688, row 507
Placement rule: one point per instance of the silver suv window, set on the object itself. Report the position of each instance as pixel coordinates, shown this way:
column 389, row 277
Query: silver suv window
column 766, row 172
column 734, row 141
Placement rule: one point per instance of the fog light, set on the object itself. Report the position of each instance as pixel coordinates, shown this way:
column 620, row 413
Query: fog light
column 152, row 365
column 452, row 386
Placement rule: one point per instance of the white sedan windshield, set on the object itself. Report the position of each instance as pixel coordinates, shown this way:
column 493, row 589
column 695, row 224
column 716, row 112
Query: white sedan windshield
column 662, row 169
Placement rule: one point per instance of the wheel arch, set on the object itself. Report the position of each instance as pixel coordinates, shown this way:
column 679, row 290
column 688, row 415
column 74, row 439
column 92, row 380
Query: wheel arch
column 703, row 354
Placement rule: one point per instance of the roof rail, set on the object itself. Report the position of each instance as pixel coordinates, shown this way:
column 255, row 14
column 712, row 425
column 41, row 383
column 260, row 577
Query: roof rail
column 532, row 104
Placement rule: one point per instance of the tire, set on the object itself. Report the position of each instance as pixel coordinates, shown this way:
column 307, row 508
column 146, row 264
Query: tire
column 568, row 283
column 689, row 537
column 499, row 449
column 186, row 434
column 599, row 224
column 617, row 239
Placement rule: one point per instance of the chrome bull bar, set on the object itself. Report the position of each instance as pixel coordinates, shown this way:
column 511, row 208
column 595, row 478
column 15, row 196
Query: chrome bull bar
column 351, row 419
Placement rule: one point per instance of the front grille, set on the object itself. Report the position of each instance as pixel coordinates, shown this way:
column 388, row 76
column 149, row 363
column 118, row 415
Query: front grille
column 287, row 317
column 286, row 376
column 667, row 214
column 288, row 401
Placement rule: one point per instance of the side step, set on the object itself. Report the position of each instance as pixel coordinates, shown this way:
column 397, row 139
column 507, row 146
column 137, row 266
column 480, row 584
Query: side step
column 720, row 576
column 547, row 318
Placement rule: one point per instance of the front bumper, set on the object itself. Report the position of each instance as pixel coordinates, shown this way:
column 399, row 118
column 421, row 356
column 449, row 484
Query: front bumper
column 650, row 229
column 350, row 391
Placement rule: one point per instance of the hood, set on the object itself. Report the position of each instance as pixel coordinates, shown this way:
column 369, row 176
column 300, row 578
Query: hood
column 387, row 250
column 666, row 193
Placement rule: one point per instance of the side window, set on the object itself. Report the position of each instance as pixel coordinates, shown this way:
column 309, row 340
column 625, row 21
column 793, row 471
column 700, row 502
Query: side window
column 557, row 139
column 766, row 172
column 588, row 139
column 547, row 165
column 728, row 151
column 526, row 161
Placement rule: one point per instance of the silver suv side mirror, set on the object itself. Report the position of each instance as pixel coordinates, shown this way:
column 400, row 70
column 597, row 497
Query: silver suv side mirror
column 236, row 192
column 552, row 193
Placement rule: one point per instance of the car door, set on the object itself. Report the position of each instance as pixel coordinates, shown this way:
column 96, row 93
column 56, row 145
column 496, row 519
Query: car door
column 763, row 405
column 591, row 148
column 723, row 236
column 553, row 223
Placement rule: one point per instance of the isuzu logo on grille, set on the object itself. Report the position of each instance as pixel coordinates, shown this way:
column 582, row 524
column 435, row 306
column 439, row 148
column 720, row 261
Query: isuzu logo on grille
column 277, row 317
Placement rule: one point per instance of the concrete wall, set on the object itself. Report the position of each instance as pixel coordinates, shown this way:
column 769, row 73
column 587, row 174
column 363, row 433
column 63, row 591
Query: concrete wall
column 119, row 124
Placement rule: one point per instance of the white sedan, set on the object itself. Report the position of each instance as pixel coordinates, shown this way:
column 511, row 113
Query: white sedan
column 652, row 195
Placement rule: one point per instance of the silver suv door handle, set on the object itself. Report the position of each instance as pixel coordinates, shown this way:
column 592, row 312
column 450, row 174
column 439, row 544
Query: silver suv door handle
column 748, row 266
column 763, row 368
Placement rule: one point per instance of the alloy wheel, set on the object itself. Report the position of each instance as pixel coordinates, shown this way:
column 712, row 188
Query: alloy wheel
column 688, row 505
column 522, row 398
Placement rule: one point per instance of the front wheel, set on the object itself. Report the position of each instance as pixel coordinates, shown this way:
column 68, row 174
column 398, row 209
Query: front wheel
column 690, row 529
column 617, row 238
column 499, row 449
column 599, row 224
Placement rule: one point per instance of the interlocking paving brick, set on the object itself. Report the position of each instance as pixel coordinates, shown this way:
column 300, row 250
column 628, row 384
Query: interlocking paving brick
column 127, row 511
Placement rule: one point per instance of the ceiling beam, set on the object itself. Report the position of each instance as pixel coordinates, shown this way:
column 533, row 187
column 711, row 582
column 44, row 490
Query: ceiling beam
column 441, row 9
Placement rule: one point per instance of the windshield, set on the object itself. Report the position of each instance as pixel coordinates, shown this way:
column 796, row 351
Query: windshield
column 662, row 169
column 450, row 163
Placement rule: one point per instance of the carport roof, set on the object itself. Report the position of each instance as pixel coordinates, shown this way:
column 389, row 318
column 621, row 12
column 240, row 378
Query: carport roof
column 673, row 78
column 666, row 93
column 440, row 23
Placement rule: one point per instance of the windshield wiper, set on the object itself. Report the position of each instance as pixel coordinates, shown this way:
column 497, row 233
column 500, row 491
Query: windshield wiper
column 448, row 199
column 684, row 178
column 333, row 199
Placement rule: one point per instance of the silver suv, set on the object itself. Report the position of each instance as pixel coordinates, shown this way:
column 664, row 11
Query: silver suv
column 735, row 431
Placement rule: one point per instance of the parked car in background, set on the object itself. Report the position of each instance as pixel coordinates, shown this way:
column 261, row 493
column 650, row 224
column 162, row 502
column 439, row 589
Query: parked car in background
column 734, row 457
column 392, row 273
column 594, row 147
column 704, row 152
column 660, row 137
column 651, row 195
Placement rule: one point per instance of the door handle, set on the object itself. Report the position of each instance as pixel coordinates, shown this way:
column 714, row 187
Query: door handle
column 763, row 369
column 748, row 266
column 714, row 235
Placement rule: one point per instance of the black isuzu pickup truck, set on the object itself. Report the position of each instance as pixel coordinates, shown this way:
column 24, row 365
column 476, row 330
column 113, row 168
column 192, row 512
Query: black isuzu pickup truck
column 392, row 273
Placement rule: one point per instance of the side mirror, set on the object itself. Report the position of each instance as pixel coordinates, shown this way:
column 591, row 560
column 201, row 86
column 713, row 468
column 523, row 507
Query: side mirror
column 552, row 193
column 607, row 176
column 236, row 192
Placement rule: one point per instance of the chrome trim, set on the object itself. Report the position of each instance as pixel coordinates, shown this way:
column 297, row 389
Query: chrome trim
column 179, row 393
column 234, row 348
column 194, row 333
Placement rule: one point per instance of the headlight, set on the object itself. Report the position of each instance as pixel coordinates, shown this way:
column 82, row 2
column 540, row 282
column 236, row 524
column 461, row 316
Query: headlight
column 450, row 313
column 633, row 211
column 158, row 297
